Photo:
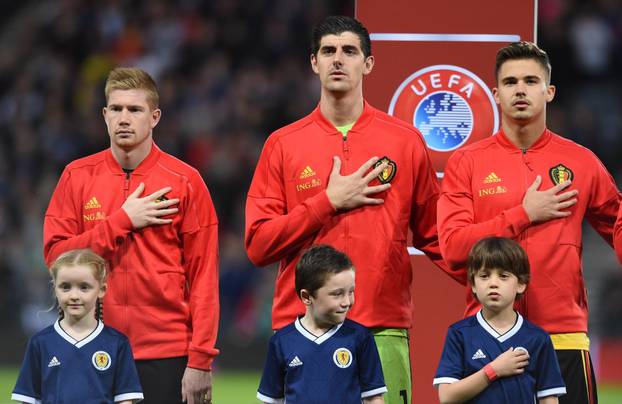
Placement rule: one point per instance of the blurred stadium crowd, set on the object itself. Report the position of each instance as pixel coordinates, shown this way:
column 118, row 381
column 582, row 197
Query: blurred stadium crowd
column 229, row 73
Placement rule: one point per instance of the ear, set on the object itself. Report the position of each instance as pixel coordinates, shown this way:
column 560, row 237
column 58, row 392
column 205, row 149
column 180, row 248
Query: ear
column 520, row 289
column 104, row 110
column 369, row 65
column 102, row 291
column 306, row 297
column 495, row 95
column 313, row 60
column 550, row 93
column 156, row 114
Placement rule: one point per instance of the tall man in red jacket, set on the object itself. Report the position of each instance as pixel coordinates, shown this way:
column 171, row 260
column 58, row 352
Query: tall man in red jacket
column 151, row 217
column 533, row 186
column 351, row 176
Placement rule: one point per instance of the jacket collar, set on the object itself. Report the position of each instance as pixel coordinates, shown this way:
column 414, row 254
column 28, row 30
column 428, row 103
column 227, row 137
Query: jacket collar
column 366, row 117
column 142, row 168
column 542, row 141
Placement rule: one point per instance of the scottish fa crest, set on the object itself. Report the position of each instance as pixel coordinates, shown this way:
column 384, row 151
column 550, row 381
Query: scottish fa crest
column 101, row 360
column 448, row 104
column 342, row 357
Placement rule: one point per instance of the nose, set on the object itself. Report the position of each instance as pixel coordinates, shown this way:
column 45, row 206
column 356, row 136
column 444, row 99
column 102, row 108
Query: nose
column 337, row 58
column 124, row 116
column 493, row 282
column 520, row 87
column 73, row 294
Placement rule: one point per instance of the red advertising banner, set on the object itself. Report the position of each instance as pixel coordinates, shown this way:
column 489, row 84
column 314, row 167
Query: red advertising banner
column 434, row 68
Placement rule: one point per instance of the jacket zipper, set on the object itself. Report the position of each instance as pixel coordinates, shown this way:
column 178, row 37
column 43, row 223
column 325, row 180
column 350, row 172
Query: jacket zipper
column 346, row 157
column 126, row 191
column 346, row 149
column 525, row 235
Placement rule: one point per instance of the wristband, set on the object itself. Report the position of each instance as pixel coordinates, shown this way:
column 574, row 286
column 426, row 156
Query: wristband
column 490, row 373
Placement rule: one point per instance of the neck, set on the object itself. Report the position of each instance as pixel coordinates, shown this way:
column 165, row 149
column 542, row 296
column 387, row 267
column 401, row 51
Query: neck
column 130, row 159
column 501, row 320
column 313, row 326
column 523, row 135
column 341, row 109
column 78, row 329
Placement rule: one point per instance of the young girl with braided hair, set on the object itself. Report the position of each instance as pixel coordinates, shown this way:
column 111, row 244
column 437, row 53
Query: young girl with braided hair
column 78, row 359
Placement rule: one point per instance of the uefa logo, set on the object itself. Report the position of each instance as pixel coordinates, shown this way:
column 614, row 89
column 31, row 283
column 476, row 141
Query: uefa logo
column 448, row 104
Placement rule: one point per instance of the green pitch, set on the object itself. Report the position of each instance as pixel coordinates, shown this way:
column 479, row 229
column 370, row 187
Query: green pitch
column 240, row 388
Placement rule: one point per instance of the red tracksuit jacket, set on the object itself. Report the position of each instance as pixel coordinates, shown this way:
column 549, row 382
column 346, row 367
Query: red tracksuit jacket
column 287, row 210
column 163, row 280
column 482, row 194
column 617, row 239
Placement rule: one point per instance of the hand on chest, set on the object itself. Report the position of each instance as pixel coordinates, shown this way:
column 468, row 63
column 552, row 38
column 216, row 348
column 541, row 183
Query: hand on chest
column 99, row 201
column 502, row 184
column 306, row 177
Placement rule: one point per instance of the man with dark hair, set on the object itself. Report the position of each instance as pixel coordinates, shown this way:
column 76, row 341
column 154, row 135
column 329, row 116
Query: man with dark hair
column 351, row 176
column 536, row 187
column 335, row 25
column 150, row 216
column 524, row 50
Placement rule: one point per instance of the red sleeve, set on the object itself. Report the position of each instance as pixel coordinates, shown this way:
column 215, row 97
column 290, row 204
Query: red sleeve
column 604, row 205
column 617, row 235
column 200, row 257
column 423, row 214
column 272, row 231
column 456, row 219
column 62, row 230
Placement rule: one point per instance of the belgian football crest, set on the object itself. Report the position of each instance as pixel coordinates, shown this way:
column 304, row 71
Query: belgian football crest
column 342, row 357
column 101, row 360
column 161, row 199
column 389, row 172
column 560, row 173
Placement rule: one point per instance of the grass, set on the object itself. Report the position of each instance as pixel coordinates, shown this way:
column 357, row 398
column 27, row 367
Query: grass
column 609, row 394
column 235, row 387
column 7, row 381
column 240, row 388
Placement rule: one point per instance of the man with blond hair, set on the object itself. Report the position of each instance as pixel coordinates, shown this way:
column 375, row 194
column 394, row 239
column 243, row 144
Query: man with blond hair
column 151, row 217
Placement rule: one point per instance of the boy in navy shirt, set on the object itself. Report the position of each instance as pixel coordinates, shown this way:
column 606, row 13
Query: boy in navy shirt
column 496, row 356
column 323, row 357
